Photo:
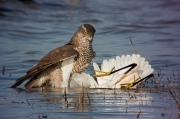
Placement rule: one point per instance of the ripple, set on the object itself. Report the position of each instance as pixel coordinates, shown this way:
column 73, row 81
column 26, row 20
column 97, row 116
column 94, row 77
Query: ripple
column 168, row 22
column 31, row 28
column 165, row 40
column 91, row 20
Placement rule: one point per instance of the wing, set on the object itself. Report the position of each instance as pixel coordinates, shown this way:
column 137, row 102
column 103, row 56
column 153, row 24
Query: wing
column 55, row 56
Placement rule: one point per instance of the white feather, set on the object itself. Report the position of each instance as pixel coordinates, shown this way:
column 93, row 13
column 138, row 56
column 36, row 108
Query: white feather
column 115, row 80
column 83, row 79
column 66, row 68
column 96, row 67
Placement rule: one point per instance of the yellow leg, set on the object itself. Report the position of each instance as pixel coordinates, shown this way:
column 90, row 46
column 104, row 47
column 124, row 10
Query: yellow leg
column 103, row 73
column 131, row 84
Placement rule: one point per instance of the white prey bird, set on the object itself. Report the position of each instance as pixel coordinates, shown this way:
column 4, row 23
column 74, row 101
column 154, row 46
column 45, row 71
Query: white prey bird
column 137, row 71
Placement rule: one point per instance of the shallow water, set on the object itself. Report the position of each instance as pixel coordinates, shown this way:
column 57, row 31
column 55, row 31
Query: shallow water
column 30, row 29
column 93, row 103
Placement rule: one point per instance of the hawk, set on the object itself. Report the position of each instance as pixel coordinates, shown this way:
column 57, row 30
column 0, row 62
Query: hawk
column 58, row 65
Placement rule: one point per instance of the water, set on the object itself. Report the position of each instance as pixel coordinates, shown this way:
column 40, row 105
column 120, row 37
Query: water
column 30, row 29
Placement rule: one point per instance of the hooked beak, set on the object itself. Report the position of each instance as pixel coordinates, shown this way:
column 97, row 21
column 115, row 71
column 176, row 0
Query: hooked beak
column 89, row 37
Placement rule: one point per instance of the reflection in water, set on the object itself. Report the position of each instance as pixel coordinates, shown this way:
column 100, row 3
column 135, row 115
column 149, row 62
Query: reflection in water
column 94, row 103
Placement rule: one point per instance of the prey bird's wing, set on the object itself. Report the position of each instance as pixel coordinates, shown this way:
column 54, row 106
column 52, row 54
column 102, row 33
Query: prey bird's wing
column 55, row 56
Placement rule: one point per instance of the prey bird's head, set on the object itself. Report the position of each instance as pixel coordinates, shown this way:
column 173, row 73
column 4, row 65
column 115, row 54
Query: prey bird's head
column 84, row 33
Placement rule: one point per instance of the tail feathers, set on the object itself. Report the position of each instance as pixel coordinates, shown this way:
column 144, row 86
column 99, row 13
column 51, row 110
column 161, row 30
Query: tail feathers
column 37, row 81
column 20, row 81
column 31, row 83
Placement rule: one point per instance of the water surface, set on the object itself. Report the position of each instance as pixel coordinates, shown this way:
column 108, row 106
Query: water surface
column 30, row 29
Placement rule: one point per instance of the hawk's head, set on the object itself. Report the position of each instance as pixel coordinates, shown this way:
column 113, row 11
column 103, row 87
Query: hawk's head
column 84, row 33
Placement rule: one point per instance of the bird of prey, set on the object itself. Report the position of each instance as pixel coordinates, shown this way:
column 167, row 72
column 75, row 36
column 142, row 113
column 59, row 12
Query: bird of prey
column 58, row 65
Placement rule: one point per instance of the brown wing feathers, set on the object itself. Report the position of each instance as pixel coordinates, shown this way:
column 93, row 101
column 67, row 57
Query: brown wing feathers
column 55, row 56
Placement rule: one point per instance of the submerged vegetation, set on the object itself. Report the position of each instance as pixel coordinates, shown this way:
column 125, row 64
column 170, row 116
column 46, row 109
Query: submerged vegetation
column 160, row 93
column 170, row 87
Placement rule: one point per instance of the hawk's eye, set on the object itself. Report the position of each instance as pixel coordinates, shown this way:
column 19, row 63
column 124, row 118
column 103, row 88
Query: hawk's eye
column 85, row 32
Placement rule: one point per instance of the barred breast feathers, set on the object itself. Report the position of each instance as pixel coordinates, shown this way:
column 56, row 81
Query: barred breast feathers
column 86, row 54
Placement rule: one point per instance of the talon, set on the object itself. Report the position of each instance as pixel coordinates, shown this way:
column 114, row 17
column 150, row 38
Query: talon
column 103, row 73
column 129, row 85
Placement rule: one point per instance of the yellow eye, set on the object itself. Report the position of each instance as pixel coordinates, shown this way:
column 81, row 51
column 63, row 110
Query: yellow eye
column 85, row 32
